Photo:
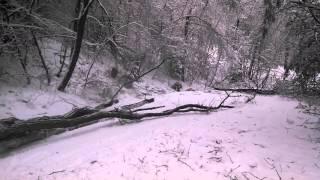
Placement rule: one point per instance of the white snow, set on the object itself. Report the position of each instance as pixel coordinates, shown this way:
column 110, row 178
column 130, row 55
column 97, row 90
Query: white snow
column 251, row 141
column 27, row 102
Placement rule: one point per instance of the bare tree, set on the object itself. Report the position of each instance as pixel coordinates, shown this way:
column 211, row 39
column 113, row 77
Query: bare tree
column 77, row 46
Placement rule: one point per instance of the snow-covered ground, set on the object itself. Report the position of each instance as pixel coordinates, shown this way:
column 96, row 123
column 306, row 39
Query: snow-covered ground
column 266, row 139
column 27, row 102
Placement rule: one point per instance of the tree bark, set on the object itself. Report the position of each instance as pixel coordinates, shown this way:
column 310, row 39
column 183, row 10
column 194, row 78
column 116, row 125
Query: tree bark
column 77, row 47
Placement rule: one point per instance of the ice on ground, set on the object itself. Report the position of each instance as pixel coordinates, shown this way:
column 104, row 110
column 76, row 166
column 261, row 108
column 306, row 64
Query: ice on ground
column 266, row 139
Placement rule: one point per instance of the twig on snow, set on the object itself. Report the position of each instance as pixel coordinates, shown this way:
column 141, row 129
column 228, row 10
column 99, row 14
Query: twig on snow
column 164, row 165
column 179, row 160
column 272, row 166
column 244, row 174
column 68, row 102
column 55, row 172
column 161, row 166
column 142, row 159
column 229, row 157
column 188, row 153
column 231, row 171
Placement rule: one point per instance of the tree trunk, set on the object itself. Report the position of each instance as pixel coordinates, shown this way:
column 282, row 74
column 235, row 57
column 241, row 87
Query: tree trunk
column 286, row 63
column 252, row 62
column 63, row 57
column 77, row 47
column 12, row 128
column 23, row 62
column 43, row 62
column 187, row 24
column 216, row 67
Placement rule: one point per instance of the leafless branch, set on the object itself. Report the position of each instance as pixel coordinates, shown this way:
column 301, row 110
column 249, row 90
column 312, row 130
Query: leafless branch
column 137, row 78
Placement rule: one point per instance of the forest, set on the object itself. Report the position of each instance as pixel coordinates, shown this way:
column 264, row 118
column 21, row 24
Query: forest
column 160, row 89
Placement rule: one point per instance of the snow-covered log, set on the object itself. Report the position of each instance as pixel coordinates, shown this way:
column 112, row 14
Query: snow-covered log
column 255, row 91
column 15, row 129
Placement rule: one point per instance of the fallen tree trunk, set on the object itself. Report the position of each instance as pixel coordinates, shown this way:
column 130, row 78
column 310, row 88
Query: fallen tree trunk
column 39, row 123
column 15, row 132
column 24, row 127
column 77, row 112
column 255, row 91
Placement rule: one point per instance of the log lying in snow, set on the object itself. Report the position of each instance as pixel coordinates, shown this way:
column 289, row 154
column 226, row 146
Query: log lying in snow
column 23, row 127
column 136, row 105
column 256, row 91
column 77, row 112
column 13, row 129
column 60, row 121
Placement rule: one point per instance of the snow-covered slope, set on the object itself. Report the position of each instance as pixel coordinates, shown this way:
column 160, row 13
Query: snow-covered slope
column 28, row 102
column 267, row 139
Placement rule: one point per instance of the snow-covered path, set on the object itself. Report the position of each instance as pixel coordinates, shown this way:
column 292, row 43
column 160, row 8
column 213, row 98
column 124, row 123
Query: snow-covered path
column 267, row 139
